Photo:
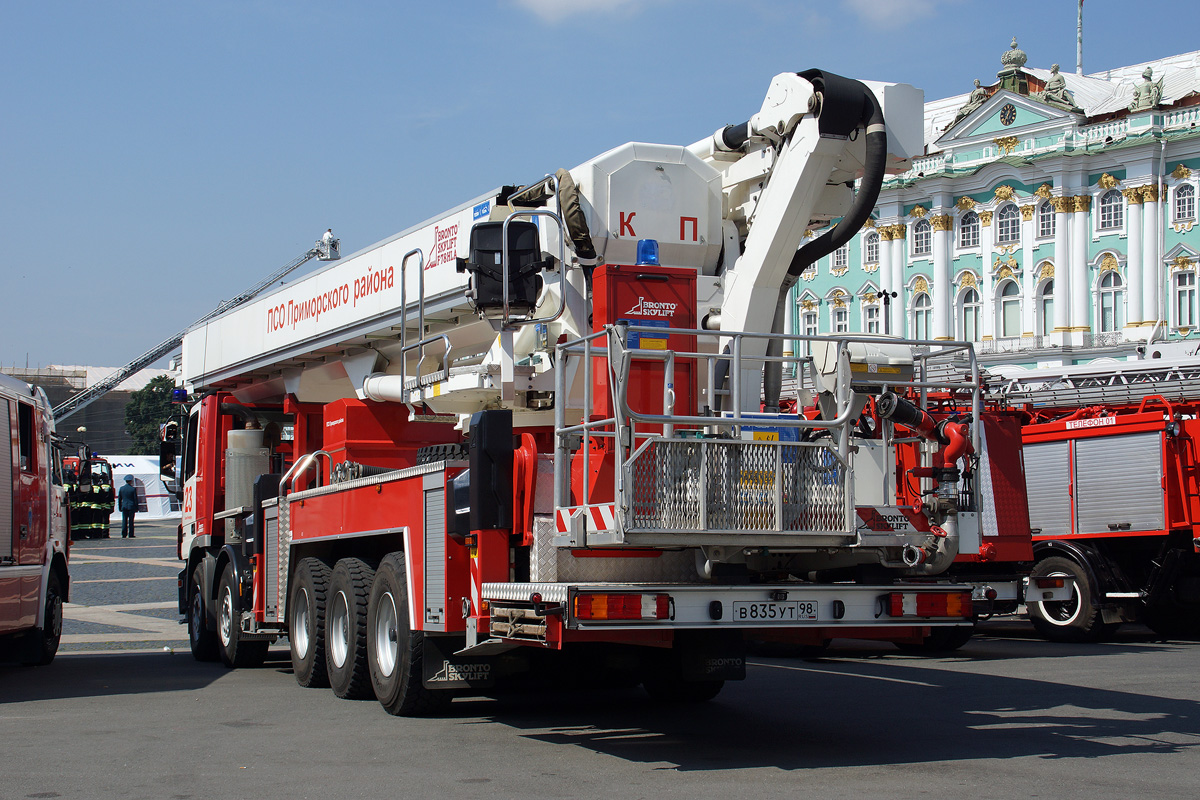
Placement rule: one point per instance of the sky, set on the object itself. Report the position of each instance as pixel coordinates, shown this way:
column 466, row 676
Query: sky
column 157, row 158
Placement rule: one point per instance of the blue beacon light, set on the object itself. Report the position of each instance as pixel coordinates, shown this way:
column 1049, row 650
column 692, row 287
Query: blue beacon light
column 647, row 252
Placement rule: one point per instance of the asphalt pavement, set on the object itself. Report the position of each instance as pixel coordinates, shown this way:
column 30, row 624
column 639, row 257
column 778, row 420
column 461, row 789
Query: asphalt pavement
column 1009, row 715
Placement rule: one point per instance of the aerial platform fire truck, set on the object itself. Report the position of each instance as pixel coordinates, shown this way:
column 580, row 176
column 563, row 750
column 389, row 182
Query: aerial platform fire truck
column 543, row 431
column 33, row 527
column 1113, row 480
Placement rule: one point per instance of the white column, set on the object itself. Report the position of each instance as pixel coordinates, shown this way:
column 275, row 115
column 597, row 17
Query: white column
column 1028, row 271
column 987, row 299
column 1151, row 266
column 1062, row 264
column 1133, row 259
column 886, row 279
column 1081, row 288
column 899, row 262
column 943, row 287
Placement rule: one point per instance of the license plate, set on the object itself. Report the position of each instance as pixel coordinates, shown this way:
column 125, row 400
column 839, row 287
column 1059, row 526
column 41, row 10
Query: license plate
column 775, row 611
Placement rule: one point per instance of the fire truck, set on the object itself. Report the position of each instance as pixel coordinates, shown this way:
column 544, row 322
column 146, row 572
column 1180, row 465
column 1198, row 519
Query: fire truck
column 33, row 527
column 543, row 430
column 1112, row 473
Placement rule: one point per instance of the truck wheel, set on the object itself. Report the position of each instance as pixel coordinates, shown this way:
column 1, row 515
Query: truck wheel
column 939, row 641
column 1074, row 620
column 235, row 651
column 672, row 689
column 1171, row 623
column 43, row 642
column 346, row 628
column 395, row 651
column 203, row 641
column 306, row 623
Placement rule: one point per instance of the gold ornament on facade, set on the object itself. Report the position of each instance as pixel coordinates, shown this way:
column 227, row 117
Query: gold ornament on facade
column 942, row 222
column 871, row 267
column 870, row 298
column 1005, row 249
column 968, row 280
column 885, row 233
column 1150, row 193
column 1181, row 173
column 839, row 301
column 1006, row 144
column 1027, row 213
column 1133, row 196
column 1047, row 271
column 921, row 285
column 1108, row 182
column 965, row 204
column 809, row 274
column 1063, row 205
column 807, row 305
column 1109, row 263
column 1181, row 262
column 1005, row 263
column 1005, row 272
column 870, row 223
column 918, row 211
column 899, row 231
column 985, row 218
column 1043, row 191
column 1083, row 203
column 1004, row 192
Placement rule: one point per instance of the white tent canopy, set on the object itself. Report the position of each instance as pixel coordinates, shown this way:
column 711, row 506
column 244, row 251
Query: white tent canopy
column 154, row 501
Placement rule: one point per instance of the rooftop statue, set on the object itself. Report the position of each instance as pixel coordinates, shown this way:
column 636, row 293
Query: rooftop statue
column 978, row 95
column 1148, row 93
column 1056, row 92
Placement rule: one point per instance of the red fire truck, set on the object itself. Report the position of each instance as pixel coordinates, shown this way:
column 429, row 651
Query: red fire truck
column 543, row 429
column 1113, row 477
column 33, row 527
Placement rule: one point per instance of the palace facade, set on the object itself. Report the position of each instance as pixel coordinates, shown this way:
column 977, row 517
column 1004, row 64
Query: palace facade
column 1050, row 220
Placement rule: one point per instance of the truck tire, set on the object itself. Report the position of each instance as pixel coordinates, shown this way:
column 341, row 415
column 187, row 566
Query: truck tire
column 939, row 641
column 395, row 651
column 306, row 622
column 235, row 651
column 1171, row 622
column 346, row 628
column 202, row 641
column 1074, row 620
column 43, row 642
column 665, row 688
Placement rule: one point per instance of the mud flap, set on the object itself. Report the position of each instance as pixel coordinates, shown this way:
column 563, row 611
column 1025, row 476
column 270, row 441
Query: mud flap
column 445, row 670
column 712, row 657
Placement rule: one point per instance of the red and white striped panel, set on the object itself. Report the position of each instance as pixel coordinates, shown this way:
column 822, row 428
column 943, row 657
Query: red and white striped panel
column 601, row 517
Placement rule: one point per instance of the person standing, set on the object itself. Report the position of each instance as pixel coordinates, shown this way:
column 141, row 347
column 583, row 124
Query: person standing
column 127, row 504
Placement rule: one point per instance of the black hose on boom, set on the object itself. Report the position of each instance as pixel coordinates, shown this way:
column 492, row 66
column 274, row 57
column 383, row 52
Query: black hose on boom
column 846, row 105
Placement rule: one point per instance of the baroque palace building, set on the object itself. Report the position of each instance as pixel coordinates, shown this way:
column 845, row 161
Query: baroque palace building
column 1050, row 221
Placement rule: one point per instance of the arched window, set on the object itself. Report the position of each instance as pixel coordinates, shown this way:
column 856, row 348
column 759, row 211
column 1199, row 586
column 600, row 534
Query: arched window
column 1185, row 202
column 1112, row 210
column 1010, row 309
column 1008, row 224
column 922, row 316
column 968, row 315
column 1045, row 219
column 1112, row 296
column 968, row 230
column 871, row 248
column 922, row 238
column 1045, row 308
column 841, row 257
column 1184, row 286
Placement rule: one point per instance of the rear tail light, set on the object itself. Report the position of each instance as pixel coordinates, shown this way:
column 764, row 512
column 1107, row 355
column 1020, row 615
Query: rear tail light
column 930, row 604
column 622, row 606
column 1048, row 582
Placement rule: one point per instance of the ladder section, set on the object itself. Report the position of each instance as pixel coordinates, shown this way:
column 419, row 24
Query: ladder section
column 1110, row 384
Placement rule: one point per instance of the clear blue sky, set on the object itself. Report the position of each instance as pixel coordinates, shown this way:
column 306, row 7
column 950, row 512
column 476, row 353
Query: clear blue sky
column 157, row 157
